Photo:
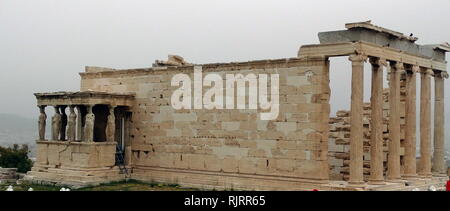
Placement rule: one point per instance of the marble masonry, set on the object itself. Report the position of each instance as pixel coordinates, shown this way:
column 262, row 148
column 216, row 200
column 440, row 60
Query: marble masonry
column 121, row 124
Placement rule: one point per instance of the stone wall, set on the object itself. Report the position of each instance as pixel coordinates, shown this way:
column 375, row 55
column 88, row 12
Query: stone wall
column 76, row 164
column 67, row 155
column 339, row 137
column 226, row 142
column 8, row 174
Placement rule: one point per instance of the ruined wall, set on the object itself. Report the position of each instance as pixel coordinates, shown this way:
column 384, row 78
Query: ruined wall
column 8, row 174
column 339, row 137
column 195, row 146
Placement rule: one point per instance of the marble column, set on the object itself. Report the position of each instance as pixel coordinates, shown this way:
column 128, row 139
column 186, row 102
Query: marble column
column 56, row 124
column 410, row 124
column 425, row 123
column 393, row 172
column 356, row 121
column 62, row 134
column 42, row 122
column 71, row 126
column 111, row 125
column 376, row 137
column 89, row 125
column 439, row 166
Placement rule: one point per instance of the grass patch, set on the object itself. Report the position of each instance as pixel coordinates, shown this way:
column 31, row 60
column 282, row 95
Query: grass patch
column 25, row 187
column 134, row 185
column 130, row 185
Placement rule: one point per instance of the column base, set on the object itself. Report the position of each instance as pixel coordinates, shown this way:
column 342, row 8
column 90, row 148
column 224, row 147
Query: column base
column 357, row 184
column 425, row 175
column 395, row 180
column 376, row 182
column 410, row 176
column 439, row 175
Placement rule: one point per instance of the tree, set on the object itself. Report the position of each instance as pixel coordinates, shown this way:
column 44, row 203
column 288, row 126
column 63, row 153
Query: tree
column 15, row 157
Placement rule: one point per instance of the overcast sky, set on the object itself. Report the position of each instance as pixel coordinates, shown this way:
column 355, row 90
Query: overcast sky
column 44, row 44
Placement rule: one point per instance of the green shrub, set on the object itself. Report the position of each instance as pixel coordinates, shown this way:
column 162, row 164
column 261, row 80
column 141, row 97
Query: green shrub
column 15, row 157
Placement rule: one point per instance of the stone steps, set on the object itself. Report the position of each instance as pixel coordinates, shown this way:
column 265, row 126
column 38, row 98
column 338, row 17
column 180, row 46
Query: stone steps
column 388, row 187
column 420, row 184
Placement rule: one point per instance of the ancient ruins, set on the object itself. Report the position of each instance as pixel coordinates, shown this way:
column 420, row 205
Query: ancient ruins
column 8, row 175
column 121, row 124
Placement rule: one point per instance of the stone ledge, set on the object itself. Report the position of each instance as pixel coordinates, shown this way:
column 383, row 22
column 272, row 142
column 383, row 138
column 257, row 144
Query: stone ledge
column 231, row 66
column 225, row 181
column 73, row 178
column 74, row 143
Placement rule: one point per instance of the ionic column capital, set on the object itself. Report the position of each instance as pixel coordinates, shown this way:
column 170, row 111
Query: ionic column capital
column 441, row 74
column 426, row 71
column 357, row 58
column 375, row 61
column 397, row 67
column 415, row 69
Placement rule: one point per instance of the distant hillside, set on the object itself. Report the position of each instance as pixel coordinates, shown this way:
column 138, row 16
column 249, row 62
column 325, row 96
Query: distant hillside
column 15, row 129
column 11, row 121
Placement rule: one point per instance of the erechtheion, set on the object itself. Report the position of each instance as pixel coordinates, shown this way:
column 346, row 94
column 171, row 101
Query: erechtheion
column 122, row 123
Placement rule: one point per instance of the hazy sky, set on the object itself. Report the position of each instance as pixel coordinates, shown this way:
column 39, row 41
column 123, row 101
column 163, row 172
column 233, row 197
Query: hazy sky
column 44, row 44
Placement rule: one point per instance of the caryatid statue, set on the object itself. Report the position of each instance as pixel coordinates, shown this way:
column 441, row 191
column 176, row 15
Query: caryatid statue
column 89, row 125
column 62, row 134
column 56, row 124
column 71, row 126
column 42, row 122
column 111, row 125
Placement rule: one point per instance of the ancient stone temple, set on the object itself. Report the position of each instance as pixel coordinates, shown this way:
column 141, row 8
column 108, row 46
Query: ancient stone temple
column 123, row 123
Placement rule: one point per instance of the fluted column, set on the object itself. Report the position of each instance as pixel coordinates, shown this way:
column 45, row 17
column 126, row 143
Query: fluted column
column 42, row 122
column 56, row 124
column 111, row 125
column 71, row 126
column 410, row 124
column 89, row 125
column 376, row 137
column 356, row 128
column 394, row 121
column 425, row 123
column 439, row 165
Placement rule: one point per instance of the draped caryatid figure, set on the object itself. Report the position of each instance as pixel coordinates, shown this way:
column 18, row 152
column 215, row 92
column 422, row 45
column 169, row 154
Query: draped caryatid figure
column 56, row 124
column 89, row 125
column 71, row 126
column 42, row 122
